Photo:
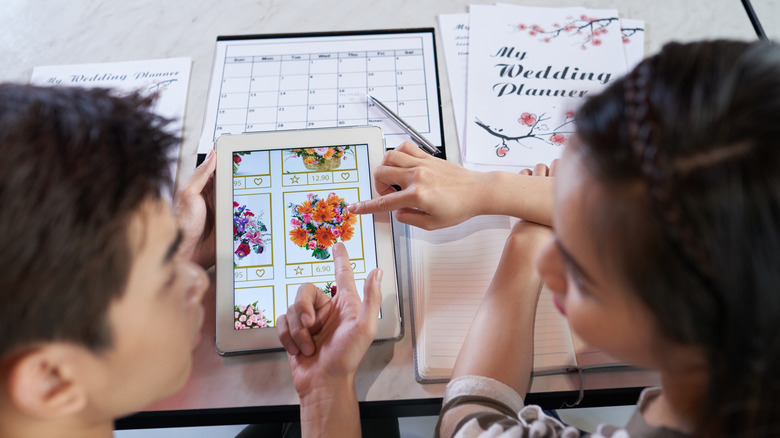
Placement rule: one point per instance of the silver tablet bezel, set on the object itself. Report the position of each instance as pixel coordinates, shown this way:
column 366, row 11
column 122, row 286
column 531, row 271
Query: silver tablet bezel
column 231, row 341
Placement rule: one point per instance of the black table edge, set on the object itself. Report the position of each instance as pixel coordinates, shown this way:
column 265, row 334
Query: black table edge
column 372, row 409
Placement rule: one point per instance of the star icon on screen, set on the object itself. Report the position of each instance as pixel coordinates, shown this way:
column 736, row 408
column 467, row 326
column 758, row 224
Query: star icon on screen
column 294, row 179
column 298, row 270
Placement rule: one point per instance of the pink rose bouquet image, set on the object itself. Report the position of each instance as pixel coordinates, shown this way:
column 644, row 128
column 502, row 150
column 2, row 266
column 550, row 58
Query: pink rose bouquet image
column 249, row 317
column 320, row 223
column 250, row 235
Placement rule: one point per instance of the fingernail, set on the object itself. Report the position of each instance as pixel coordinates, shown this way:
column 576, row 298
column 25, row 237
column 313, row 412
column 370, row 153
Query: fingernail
column 306, row 320
column 378, row 276
column 210, row 154
column 307, row 349
column 352, row 207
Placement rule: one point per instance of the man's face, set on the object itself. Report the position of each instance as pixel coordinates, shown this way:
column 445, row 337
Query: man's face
column 155, row 324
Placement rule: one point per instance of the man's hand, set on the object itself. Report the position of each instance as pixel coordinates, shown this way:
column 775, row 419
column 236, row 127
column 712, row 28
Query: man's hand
column 193, row 206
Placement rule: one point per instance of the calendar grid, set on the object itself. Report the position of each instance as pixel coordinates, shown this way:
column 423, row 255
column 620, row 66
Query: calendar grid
column 259, row 89
column 321, row 81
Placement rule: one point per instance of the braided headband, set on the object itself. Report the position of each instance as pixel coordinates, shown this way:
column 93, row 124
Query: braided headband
column 659, row 173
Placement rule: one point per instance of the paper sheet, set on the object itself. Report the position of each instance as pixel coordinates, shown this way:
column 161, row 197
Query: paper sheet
column 321, row 81
column 528, row 72
column 454, row 29
column 633, row 33
column 169, row 77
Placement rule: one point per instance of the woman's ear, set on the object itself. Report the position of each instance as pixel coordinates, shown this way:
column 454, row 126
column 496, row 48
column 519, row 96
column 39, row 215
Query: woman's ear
column 43, row 382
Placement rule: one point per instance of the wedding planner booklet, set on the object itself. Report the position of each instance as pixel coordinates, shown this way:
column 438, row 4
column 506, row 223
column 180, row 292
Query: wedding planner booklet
column 168, row 78
column 455, row 31
column 451, row 270
column 321, row 80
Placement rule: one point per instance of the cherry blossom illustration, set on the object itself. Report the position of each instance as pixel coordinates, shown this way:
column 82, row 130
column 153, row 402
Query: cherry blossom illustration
column 535, row 130
column 587, row 29
column 628, row 32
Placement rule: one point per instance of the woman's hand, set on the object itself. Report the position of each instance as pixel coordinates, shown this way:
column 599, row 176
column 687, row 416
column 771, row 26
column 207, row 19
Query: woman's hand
column 434, row 193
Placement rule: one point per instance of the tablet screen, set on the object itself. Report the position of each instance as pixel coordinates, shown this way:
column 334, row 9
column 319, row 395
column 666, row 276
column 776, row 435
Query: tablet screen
column 289, row 209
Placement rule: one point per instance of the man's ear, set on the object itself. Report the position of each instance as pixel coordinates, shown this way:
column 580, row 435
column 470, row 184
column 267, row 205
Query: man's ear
column 43, row 381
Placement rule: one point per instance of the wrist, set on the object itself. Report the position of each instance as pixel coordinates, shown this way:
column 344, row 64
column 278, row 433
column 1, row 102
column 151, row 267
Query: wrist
column 488, row 186
column 329, row 408
column 324, row 388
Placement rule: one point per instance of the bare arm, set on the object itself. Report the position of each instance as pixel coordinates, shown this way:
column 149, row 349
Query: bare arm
column 499, row 343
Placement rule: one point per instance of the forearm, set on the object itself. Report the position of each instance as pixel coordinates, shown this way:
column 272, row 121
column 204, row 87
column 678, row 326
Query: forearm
column 331, row 411
column 500, row 341
column 523, row 196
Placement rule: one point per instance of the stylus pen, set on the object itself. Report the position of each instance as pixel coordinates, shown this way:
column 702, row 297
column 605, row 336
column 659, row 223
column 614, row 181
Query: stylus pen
column 419, row 139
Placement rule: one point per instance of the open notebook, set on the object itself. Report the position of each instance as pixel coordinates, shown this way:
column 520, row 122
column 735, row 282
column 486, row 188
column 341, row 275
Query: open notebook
column 451, row 270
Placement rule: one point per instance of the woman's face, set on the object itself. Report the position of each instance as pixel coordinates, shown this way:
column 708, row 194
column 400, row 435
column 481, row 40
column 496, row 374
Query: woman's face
column 601, row 309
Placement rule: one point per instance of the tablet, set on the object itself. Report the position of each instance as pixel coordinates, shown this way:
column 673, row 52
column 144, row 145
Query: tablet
column 281, row 200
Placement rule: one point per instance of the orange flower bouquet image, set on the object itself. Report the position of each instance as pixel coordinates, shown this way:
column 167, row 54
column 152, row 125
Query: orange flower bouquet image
column 323, row 158
column 320, row 223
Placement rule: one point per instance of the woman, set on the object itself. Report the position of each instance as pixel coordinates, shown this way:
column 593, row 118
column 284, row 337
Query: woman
column 665, row 250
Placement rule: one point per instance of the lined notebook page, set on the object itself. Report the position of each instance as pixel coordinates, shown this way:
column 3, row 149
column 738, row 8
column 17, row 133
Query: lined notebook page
column 592, row 357
column 553, row 346
column 452, row 269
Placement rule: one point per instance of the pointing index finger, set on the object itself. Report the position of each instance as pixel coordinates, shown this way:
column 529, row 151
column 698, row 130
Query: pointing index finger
column 345, row 278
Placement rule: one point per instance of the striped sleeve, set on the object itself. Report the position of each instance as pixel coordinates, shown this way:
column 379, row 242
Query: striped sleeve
column 476, row 406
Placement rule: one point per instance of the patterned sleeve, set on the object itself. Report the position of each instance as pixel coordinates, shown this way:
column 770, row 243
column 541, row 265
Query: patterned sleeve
column 476, row 406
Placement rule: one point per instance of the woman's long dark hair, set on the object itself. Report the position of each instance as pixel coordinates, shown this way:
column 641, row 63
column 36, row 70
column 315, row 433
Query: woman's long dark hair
column 688, row 149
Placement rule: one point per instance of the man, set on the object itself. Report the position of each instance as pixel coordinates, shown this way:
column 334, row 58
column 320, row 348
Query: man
column 100, row 303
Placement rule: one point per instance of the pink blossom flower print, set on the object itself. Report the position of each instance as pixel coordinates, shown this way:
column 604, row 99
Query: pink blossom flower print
column 569, row 114
column 558, row 139
column 321, row 151
column 527, row 119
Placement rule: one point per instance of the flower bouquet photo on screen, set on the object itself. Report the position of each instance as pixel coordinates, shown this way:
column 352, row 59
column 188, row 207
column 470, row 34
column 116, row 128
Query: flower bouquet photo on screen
column 250, row 235
column 249, row 317
column 329, row 289
column 322, row 158
column 318, row 223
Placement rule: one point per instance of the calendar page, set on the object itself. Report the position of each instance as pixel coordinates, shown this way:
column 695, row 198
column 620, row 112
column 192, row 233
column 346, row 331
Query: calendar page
column 289, row 209
column 284, row 82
